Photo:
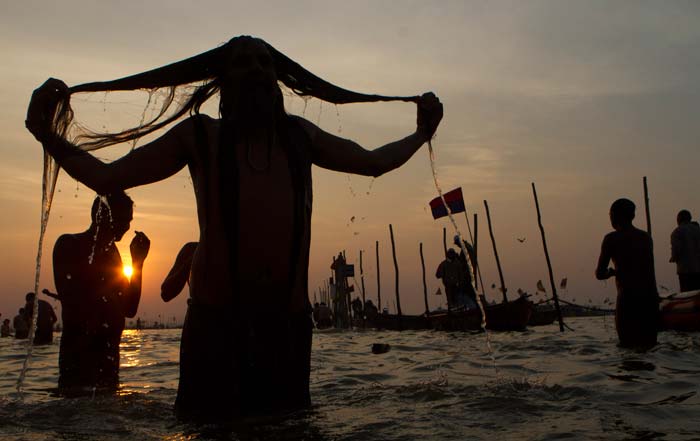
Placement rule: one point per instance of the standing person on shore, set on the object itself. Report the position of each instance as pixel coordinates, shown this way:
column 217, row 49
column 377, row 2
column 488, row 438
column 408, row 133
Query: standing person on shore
column 685, row 251
column 96, row 296
column 246, row 341
column 631, row 251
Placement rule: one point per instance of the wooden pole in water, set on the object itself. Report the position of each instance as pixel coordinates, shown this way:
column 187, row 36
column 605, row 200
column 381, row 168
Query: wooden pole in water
column 495, row 252
column 549, row 263
column 379, row 284
column 477, row 268
column 444, row 240
column 469, row 228
column 425, row 286
column 646, row 205
column 362, row 280
column 396, row 274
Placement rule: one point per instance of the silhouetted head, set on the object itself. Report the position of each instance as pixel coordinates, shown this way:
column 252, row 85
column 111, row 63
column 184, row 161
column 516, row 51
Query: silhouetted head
column 21, row 311
column 248, row 83
column 622, row 213
column 683, row 217
column 113, row 212
column 29, row 297
column 451, row 254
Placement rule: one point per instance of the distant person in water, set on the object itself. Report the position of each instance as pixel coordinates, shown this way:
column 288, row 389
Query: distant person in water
column 630, row 249
column 47, row 319
column 179, row 274
column 96, row 296
column 5, row 329
column 685, row 251
column 450, row 272
column 466, row 292
column 246, row 341
column 323, row 316
column 21, row 324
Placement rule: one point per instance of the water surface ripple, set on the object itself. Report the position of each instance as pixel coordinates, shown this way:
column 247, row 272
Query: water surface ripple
column 430, row 385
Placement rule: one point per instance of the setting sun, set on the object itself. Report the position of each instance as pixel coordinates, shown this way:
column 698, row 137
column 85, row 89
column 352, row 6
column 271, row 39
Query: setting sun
column 128, row 270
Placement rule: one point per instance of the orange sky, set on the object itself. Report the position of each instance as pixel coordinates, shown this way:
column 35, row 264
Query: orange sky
column 583, row 99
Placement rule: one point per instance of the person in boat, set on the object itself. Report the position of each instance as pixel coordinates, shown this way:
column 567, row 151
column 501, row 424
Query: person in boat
column 631, row 252
column 323, row 316
column 371, row 310
column 246, row 340
column 45, row 322
column 466, row 292
column 450, row 272
column 685, row 251
column 179, row 274
column 21, row 324
column 357, row 311
column 96, row 296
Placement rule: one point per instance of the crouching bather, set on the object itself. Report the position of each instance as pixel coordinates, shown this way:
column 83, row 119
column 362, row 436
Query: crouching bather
column 253, row 161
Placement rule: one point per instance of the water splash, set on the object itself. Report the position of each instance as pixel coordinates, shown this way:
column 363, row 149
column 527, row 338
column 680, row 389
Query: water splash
column 431, row 153
column 143, row 115
column 340, row 124
column 103, row 203
column 48, row 186
column 320, row 111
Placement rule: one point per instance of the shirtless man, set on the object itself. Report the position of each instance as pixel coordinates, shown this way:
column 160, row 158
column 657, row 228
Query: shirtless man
column 246, row 341
column 96, row 296
column 631, row 251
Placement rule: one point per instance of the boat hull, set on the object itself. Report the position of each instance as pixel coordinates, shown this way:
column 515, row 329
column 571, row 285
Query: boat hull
column 509, row 316
column 681, row 312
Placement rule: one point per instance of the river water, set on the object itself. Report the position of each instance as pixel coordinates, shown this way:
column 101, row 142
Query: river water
column 431, row 385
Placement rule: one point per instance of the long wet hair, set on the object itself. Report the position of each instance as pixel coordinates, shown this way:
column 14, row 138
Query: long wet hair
column 190, row 83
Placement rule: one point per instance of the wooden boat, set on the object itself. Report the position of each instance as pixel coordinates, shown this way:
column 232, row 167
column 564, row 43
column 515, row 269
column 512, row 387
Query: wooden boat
column 507, row 316
column 396, row 323
column 542, row 315
column 681, row 312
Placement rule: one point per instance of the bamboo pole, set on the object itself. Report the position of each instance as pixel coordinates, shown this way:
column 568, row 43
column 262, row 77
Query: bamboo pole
column 549, row 263
column 495, row 252
column 477, row 268
column 379, row 284
column 396, row 274
column 362, row 281
column 444, row 240
column 469, row 227
column 646, row 205
column 425, row 285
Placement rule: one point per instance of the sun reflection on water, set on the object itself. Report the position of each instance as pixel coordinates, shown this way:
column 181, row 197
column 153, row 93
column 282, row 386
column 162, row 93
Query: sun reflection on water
column 130, row 348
